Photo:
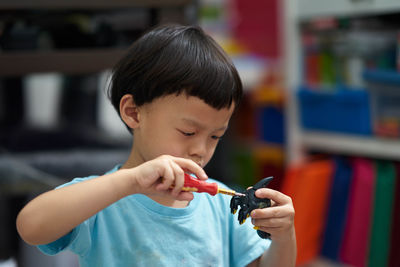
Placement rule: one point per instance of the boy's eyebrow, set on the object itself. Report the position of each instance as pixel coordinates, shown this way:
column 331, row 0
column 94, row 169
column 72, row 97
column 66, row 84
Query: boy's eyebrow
column 199, row 125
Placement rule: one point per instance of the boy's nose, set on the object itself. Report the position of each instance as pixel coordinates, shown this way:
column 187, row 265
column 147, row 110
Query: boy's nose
column 197, row 152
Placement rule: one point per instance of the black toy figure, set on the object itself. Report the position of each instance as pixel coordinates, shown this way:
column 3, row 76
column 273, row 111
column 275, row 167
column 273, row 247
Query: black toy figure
column 250, row 202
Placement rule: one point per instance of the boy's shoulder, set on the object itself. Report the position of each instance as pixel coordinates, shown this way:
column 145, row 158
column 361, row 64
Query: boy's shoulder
column 82, row 179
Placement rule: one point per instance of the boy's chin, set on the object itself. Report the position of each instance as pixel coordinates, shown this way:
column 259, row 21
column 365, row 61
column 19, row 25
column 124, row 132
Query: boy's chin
column 185, row 196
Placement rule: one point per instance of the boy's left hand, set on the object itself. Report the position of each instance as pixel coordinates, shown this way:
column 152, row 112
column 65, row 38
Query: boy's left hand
column 278, row 220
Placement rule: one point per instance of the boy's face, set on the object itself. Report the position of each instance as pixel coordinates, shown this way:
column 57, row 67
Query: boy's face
column 181, row 126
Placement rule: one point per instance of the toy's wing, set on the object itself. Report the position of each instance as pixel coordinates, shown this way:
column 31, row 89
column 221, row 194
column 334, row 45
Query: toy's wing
column 262, row 183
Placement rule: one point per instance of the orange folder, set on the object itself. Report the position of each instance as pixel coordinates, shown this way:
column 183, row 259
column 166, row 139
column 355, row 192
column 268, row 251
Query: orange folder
column 309, row 186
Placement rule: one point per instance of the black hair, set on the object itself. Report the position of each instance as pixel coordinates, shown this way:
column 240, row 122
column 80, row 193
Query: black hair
column 175, row 59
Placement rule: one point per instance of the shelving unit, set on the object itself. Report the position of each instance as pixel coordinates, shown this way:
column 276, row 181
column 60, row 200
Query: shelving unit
column 382, row 148
column 79, row 61
column 345, row 181
column 299, row 141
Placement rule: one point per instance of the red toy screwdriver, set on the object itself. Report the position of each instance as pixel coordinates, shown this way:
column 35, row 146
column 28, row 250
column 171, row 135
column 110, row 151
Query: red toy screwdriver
column 196, row 185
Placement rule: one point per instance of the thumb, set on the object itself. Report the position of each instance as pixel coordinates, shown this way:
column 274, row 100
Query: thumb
column 274, row 195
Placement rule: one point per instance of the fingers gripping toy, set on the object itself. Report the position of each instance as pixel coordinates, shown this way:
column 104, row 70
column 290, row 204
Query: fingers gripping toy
column 249, row 202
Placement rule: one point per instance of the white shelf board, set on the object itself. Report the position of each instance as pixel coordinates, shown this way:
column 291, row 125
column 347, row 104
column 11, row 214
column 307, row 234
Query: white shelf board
column 375, row 147
column 308, row 9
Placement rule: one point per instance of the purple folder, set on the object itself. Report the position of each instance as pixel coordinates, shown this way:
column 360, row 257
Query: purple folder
column 355, row 244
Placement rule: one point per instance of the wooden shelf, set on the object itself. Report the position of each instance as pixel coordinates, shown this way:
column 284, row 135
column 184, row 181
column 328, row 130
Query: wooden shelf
column 352, row 145
column 88, row 4
column 66, row 61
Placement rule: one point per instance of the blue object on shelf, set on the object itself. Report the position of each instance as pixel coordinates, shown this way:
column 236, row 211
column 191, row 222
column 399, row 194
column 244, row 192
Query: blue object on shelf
column 382, row 76
column 337, row 210
column 271, row 124
column 384, row 89
column 344, row 110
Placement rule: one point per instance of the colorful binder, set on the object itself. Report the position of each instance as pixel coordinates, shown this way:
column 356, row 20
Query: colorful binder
column 394, row 256
column 355, row 244
column 337, row 209
column 382, row 214
column 308, row 185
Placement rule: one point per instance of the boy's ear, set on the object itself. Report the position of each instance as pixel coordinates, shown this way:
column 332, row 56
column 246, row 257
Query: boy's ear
column 129, row 111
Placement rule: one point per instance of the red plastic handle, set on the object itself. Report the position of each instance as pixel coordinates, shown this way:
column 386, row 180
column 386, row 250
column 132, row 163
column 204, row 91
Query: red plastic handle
column 196, row 185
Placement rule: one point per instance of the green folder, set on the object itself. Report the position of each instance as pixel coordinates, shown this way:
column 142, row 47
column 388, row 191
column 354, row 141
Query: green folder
column 382, row 214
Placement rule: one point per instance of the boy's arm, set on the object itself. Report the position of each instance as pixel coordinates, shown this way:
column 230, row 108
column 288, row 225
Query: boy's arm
column 55, row 213
column 277, row 220
column 279, row 254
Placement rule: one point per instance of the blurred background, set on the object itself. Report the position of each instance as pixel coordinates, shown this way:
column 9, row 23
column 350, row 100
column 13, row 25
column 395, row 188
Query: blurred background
column 321, row 111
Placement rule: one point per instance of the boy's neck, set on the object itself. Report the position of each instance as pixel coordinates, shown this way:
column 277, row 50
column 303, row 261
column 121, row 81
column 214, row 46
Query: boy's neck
column 170, row 202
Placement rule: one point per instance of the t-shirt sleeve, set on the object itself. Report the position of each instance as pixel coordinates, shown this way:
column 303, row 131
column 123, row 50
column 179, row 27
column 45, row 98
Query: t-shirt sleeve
column 246, row 244
column 78, row 240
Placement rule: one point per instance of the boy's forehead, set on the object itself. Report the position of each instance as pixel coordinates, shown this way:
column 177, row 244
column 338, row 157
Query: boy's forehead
column 201, row 125
column 193, row 111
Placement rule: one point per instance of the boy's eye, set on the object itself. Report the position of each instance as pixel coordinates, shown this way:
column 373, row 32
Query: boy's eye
column 187, row 133
column 216, row 137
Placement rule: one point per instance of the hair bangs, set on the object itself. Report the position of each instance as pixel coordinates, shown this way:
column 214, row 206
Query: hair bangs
column 205, row 71
column 214, row 85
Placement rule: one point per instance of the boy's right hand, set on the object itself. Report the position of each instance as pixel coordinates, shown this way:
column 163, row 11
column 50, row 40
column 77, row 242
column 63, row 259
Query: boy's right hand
column 164, row 175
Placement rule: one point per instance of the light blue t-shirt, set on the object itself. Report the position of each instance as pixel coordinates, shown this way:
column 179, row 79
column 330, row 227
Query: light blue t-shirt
column 137, row 231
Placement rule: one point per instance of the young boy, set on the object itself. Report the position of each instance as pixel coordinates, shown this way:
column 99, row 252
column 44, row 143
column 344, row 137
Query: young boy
column 175, row 90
